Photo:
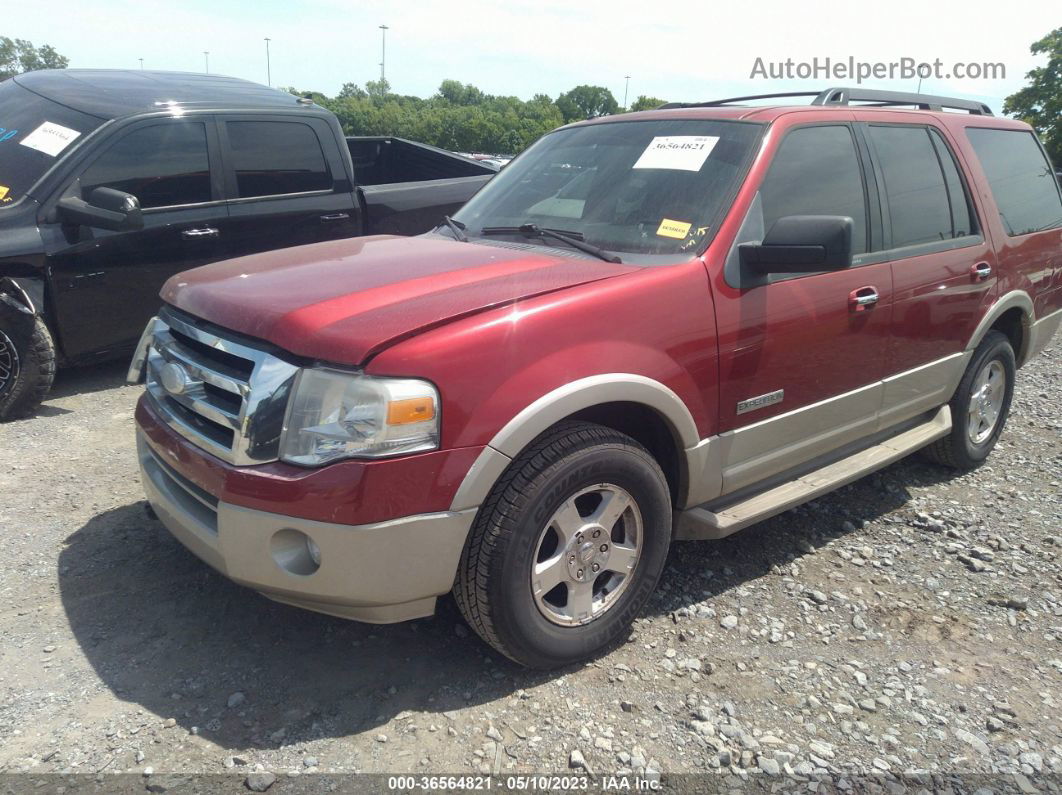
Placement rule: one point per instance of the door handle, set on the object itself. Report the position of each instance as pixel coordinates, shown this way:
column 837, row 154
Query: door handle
column 200, row 233
column 327, row 219
column 980, row 271
column 862, row 299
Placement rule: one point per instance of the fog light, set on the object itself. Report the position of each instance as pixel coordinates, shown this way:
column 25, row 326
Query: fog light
column 314, row 550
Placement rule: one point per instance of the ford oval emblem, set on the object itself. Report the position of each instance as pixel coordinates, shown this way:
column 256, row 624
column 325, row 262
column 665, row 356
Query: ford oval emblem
column 174, row 378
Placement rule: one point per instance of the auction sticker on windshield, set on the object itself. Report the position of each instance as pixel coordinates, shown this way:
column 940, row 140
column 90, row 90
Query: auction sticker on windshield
column 677, row 152
column 50, row 138
column 675, row 229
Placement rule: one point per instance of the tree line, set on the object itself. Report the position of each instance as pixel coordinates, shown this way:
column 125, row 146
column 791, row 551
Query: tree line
column 461, row 117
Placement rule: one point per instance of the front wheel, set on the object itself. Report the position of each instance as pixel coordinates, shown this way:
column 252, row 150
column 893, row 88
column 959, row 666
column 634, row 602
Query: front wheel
column 568, row 548
column 980, row 406
column 27, row 362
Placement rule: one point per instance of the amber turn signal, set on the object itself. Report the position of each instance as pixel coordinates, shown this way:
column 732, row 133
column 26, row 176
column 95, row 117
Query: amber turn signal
column 409, row 410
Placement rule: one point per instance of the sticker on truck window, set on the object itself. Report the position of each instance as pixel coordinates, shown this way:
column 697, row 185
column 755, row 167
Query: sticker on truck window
column 5, row 194
column 50, row 138
column 677, row 152
column 675, row 229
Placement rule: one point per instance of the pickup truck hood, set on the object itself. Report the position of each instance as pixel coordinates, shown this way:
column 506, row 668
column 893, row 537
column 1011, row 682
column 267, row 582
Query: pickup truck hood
column 344, row 300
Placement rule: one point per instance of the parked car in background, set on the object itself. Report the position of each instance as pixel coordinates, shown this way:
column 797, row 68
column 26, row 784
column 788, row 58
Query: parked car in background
column 113, row 181
column 663, row 325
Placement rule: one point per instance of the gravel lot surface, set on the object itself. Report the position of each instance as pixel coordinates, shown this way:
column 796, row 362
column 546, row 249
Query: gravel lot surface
column 909, row 622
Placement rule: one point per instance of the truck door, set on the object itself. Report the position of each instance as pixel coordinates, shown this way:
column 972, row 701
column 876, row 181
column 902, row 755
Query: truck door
column 800, row 357
column 286, row 182
column 107, row 283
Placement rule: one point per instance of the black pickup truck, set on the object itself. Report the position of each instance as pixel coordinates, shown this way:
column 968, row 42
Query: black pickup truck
column 112, row 181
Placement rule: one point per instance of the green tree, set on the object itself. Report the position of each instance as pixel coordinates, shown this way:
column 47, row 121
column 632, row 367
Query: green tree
column 378, row 89
column 647, row 103
column 457, row 93
column 1040, row 102
column 352, row 91
column 18, row 56
column 586, row 102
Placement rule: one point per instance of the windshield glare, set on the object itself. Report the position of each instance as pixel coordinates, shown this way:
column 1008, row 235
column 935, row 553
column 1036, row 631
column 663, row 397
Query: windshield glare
column 643, row 187
column 34, row 134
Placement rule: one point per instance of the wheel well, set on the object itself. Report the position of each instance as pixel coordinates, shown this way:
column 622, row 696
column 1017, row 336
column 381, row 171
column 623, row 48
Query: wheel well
column 647, row 427
column 1012, row 323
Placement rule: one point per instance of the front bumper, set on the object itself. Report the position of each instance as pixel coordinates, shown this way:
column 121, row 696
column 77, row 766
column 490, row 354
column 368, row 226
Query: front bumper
column 379, row 573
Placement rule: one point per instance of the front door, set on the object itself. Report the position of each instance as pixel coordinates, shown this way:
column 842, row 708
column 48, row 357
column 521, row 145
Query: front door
column 106, row 284
column 801, row 357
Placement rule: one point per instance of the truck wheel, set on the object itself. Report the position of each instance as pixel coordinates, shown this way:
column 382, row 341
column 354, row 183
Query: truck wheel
column 27, row 362
column 567, row 548
column 980, row 405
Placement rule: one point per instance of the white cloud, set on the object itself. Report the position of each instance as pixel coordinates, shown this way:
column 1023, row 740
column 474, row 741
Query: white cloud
column 685, row 49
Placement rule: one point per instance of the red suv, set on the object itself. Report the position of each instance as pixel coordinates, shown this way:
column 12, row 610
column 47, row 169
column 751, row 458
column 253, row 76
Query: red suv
column 654, row 326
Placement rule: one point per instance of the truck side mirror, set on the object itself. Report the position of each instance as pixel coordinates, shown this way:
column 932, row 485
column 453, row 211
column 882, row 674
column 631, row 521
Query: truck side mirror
column 802, row 244
column 107, row 208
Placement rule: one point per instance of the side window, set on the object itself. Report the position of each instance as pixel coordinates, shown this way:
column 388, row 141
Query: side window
column 816, row 172
column 273, row 158
column 162, row 165
column 1020, row 177
column 915, row 190
column 963, row 220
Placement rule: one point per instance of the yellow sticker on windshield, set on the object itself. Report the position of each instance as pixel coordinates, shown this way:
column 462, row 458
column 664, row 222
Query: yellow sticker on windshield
column 675, row 229
column 4, row 190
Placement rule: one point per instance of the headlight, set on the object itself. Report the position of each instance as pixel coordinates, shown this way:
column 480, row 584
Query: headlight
column 334, row 415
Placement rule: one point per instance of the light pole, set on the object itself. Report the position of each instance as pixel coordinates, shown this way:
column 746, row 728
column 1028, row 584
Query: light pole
column 206, row 60
column 141, row 64
column 626, row 86
column 269, row 72
column 383, row 52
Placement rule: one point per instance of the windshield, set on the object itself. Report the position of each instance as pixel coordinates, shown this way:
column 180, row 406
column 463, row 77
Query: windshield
column 638, row 187
column 34, row 132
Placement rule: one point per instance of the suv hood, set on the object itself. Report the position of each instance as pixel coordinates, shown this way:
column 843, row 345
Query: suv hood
column 344, row 300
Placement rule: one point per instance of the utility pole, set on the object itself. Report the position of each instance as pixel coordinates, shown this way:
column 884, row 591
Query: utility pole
column 626, row 86
column 141, row 64
column 383, row 52
column 269, row 72
column 206, row 60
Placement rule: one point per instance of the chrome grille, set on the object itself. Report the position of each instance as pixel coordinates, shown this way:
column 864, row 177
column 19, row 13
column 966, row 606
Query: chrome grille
column 224, row 396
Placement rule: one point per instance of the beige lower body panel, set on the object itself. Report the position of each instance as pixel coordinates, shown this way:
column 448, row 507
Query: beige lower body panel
column 705, row 523
column 379, row 573
column 1041, row 332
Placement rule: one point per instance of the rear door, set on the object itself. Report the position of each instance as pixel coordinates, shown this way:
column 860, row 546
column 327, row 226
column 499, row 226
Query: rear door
column 106, row 284
column 286, row 182
column 943, row 267
column 801, row 359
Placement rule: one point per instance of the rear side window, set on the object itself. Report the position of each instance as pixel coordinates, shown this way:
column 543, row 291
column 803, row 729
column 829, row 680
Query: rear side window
column 273, row 158
column 816, row 172
column 915, row 187
column 162, row 165
column 1020, row 177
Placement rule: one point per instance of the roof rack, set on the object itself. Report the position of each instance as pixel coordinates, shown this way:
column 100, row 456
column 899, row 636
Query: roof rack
column 846, row 96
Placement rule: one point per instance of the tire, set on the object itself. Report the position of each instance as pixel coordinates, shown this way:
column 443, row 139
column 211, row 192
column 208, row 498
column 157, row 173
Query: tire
column 978, row 415
column 527, row 522
column 27, row 362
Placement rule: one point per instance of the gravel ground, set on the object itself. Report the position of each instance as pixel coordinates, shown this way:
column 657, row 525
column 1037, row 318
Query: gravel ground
column 909, row 622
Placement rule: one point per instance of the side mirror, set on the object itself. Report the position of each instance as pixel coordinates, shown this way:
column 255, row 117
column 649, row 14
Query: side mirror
column 801, row 244
column 106, row 208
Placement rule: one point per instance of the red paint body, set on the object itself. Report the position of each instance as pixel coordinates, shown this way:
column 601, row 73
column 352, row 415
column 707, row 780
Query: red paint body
column 495, row 329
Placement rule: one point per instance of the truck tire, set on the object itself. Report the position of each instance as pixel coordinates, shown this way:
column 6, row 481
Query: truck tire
column 27, row 362
column 567, row 548
column 980, row 405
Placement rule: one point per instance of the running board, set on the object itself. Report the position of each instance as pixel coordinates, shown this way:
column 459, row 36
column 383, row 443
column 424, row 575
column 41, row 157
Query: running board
column 702, row 522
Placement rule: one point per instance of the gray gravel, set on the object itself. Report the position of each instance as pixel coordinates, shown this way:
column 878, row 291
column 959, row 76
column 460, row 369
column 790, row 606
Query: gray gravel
column 910, row 622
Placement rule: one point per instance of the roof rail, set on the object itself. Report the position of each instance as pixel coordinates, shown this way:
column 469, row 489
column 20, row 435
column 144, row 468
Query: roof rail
column 846, row 96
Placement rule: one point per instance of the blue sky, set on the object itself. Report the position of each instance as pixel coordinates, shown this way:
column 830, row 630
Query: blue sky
column 681, row 50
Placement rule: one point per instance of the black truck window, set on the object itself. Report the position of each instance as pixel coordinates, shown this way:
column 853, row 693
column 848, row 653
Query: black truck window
column 1025, row 189
column 273, row 158
column 162, row 165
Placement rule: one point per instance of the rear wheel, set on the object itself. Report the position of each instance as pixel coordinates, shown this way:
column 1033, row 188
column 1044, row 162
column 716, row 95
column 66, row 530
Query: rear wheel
column 980, row 406
column 27, row 362
column 568, row 548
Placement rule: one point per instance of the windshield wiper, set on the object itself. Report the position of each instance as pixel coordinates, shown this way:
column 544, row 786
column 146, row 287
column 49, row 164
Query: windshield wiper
column 456, row 227
column 534, row 230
